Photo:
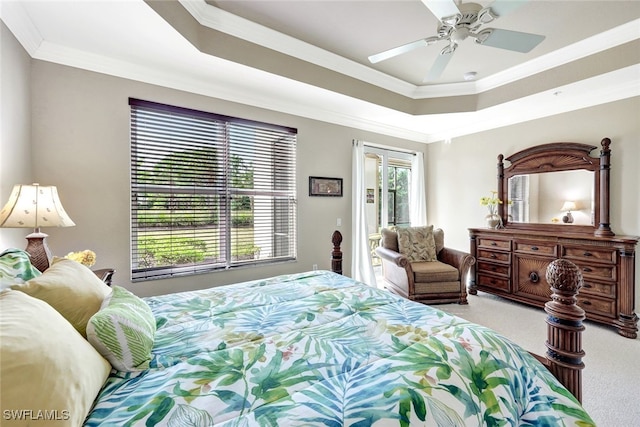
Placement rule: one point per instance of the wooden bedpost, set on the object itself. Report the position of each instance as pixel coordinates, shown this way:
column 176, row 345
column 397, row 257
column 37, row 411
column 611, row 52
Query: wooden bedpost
column 564, row 325
column 336, row 254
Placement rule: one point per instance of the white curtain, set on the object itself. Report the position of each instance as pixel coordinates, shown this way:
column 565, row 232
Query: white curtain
column 417, row 196
column 362, row 269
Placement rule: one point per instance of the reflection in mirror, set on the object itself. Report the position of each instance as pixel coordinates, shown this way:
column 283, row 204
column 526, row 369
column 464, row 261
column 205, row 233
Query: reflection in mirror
column 539, row 198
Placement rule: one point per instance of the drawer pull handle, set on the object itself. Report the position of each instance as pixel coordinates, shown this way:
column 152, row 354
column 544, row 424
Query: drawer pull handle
column 587, row 270
column 534, row 248
column 494, row 269
column 493, row 282
column 494, row 244
column 534, row 277
column 587, row 254
column 493, row 256
column 586, row 285
column 586, row 302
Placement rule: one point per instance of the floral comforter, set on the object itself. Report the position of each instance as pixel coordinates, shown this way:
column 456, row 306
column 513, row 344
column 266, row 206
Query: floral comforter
column 318, row 349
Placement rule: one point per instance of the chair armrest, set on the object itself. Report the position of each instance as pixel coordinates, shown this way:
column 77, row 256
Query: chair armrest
column 392, row 256
column 458, row 259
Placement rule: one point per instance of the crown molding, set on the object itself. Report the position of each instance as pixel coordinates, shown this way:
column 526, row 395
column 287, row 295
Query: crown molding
column 236, row 26
column 589, row 46
column 220, row 20
column 17, row 20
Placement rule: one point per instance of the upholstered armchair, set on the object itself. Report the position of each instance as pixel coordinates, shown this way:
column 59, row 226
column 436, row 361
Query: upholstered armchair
column 433, row 282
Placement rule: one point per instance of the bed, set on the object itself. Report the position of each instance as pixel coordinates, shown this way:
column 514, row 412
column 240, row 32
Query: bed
column 312, row 348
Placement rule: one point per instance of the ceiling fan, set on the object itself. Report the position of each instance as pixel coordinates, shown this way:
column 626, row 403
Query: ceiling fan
column 465, row 20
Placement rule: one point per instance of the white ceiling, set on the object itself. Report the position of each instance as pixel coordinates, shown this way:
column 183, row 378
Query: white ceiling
column 130, row 39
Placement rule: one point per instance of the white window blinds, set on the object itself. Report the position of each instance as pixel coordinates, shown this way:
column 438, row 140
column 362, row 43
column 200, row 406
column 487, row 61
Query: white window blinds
column 208, row 191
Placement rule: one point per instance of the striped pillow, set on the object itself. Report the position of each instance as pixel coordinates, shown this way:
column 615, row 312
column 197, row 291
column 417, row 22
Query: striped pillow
column 123, row 331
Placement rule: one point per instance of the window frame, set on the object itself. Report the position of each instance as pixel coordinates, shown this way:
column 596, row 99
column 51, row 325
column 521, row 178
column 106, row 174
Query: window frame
column 272, row 153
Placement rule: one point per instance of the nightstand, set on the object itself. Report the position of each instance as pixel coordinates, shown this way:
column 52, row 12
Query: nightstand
column 105, row 274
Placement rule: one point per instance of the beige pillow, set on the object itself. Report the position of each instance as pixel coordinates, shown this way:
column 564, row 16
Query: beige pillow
column 49, row 374
column 438, row 237
column 389, row 239
column 417, row 243
column 71, row 288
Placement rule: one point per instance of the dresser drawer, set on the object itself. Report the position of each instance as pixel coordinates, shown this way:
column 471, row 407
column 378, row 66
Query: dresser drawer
column 529, row 278
column 484, row 242
column 589, row 254
column 536, row 248
column 602, row 289
column 494, row 255
column 489, row 267
column 597, row 271
column 596, row 305
column 493, row 282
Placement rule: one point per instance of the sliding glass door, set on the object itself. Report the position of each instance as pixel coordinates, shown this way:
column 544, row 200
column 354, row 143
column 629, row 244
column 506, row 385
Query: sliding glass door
column 388, row 183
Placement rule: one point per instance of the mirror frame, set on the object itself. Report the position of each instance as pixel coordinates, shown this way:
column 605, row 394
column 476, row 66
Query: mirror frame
column 557, row 157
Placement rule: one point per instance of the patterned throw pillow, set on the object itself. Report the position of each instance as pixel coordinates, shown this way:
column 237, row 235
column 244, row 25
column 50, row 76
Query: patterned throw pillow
column 417, row 243
column 123, row 331
column 15, row 268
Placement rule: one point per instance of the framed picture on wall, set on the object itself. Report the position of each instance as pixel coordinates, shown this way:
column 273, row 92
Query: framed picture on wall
column 327, row 187
column 371, row 198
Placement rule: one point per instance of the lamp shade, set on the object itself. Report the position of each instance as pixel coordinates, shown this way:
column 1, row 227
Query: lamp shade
column 568, row 206
column 34, row 206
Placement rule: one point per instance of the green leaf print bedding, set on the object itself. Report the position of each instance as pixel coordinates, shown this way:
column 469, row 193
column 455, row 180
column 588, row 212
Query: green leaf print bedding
column 319, row 349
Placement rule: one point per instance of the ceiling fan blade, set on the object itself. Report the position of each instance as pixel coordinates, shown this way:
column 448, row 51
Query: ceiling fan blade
column 438, row 66
column 503, row 7
column 510, row 40
column 442, row 8
column 397, row 51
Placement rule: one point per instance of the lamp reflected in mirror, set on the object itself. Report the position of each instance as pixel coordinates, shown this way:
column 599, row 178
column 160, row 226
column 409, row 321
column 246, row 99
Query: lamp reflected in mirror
column 567, row 207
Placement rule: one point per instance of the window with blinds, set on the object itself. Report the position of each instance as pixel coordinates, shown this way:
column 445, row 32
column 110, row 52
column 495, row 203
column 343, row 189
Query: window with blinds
column 208, row 192
column 518, row 209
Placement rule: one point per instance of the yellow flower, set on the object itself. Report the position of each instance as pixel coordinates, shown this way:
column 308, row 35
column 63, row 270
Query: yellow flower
column 86, row 257
column 491, row 202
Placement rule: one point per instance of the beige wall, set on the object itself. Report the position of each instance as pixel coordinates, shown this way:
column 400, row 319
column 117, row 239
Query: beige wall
column 458, row 174
column 15, row 124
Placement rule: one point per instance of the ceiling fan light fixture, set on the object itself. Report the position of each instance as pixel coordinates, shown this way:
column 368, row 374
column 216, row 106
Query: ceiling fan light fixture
column 459, row 34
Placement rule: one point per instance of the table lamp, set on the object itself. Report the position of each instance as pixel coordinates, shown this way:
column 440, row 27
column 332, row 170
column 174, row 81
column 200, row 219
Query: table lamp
column 35, row 206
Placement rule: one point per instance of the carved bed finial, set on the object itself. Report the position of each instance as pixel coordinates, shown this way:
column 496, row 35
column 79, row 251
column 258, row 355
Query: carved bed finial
column 336, row 254
column 564, row 325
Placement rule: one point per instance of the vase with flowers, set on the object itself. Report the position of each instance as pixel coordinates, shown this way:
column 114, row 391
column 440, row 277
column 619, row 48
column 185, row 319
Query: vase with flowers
column 492, row 202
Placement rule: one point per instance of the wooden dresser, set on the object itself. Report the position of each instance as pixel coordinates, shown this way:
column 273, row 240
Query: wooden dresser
column 512, row 260
column 513, row 264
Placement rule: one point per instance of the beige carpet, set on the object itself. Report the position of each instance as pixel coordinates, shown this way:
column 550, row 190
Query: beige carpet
column 611, row 379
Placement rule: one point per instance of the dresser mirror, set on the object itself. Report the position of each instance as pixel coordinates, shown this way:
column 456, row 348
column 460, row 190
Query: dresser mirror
column 558, row 186
column 540, row 197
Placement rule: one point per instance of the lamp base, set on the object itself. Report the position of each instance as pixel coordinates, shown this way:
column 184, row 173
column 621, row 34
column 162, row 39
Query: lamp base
column 568, row 218
column 38, row 250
